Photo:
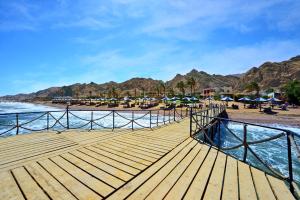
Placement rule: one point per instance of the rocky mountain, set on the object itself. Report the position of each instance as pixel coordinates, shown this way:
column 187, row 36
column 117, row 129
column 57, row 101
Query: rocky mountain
column 130, row 87
column 268, row 75
column 203, row 80
column 272, row 74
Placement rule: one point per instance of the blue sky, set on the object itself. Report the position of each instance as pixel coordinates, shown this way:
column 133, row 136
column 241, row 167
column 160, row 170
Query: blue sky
column 55, row 43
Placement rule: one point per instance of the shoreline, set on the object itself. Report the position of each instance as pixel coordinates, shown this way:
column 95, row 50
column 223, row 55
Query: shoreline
column 285, row 118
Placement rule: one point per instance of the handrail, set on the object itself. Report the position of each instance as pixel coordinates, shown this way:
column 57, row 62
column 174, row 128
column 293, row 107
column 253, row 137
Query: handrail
column 208, row 124
column 64, row 119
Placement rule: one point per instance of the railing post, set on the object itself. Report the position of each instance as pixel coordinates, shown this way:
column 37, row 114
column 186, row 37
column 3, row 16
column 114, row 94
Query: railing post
column 207, row 116
column 132, row 119
column 113, row 119
column 157, row 117
column 191, row 122
column 174, row 118
column 150, row 118
column 92, row 116
column 169, row 116
column 17, row 123
column 181, row 112
column 290, row 162
column 68, row 124
column 219, row 133
column 245, row 143
column 47, row 120
column 164, row 117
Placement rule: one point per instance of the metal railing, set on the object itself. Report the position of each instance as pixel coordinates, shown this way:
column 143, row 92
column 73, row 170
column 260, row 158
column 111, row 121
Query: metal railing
column 16, row 123
column 209, row 129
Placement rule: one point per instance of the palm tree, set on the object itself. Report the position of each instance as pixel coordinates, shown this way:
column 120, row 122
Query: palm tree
column 163, row 87
column 253, row 86
column 90, row 93
column 180, row 85
column 143, row 91
column 191, row 82
column 292, row 91
column 157, row 88
column 171, row 91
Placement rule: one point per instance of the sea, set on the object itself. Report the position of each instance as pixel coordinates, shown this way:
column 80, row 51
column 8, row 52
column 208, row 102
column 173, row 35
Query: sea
column 35, row 117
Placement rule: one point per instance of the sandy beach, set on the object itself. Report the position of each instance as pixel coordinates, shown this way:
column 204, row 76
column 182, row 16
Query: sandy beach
column 290, row 117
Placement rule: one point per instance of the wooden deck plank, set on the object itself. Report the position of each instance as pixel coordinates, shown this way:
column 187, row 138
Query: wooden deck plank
column 8, row 187
column 34, row 153
column 143, row 145
column 77, row 188
column 28, row 186
column 231, row 186
column 131, row 186
column 148, row 186
column 166, row 184
column 153, row 164
column 180, row 187
column 281, row 191
column 131, row 150
column 126, row 154
column 153, row 142
column 53, row 188
column 155, row 153
column 92, row 182
column 197, row 187
column 116, row 157
column 33, row 149
column 215, row 184
column 262, row 186
column 116, row 171
column 246, row 186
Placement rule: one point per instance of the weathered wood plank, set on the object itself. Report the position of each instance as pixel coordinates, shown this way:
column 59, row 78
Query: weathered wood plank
column 231, row 186
column 131, row 186
column 48, row 183
column 166, row 184
column 77, row 188
column 148, row 186
column 180, row 187
column 197, row 187
column 247, row 190
column 8, row 187
column 262, row 186
column 95, row 184
column 215, row 184
column 280, row 189
column 29, row 187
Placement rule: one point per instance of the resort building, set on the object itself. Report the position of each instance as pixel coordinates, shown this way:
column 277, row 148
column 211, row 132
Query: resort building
column 207, row 92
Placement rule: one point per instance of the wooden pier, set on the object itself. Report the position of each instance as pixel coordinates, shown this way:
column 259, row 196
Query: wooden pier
column 163, row 163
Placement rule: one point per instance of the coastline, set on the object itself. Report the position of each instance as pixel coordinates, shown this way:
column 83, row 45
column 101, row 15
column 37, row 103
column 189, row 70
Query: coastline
column 284, row 118
column 288, row 118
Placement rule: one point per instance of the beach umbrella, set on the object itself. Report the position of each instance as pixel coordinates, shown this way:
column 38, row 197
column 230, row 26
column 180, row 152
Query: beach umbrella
column 166, row 99
column 194, row 99
column 273, row 99
column 126, row 99
column 175, row 98
column 244, row 99
column 186, row 99
column 260, row 99
column 227, row 99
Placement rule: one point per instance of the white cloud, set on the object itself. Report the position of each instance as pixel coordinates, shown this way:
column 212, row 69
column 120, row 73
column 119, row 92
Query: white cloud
column 239, row 59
